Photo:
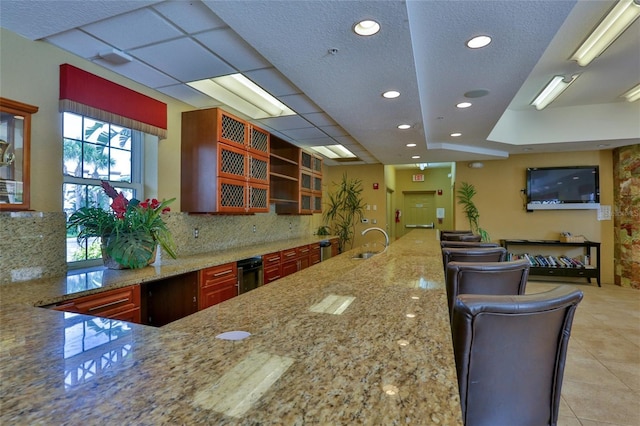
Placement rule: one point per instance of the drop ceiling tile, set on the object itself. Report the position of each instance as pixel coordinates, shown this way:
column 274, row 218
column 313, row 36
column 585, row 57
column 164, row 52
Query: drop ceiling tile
column 36, row 20
column 183, row 59
column 138, row 28
column 285, row 123
column 137, row 71
column 78, row 43
column 302, row 134
column 300, row 104
column 273, row 82
column 333, row 131
column 192, row 16
column 186, row 94
column 230, row 47
column 320, row 119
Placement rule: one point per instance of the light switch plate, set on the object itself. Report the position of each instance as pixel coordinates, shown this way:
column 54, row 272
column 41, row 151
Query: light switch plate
column 604, row 212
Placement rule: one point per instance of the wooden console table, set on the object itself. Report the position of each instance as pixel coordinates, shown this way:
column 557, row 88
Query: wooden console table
column 591, row 271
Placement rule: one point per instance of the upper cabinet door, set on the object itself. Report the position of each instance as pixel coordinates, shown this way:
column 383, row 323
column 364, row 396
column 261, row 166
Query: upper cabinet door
column 15, row 133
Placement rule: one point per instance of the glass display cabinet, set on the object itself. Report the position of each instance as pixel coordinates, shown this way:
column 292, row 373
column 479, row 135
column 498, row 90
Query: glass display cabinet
column 15, row 132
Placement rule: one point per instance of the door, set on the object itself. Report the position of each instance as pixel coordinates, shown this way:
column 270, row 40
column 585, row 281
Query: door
column 419, row 209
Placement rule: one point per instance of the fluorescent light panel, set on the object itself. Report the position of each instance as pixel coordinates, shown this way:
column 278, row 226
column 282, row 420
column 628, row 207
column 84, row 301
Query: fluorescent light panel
column 556, row 86
column 617, row 20
column 633, row 94
column 240, row 93
column 333, row 151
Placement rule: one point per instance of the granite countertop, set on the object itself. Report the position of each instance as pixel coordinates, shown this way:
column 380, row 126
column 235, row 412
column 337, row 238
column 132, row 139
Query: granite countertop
column 344, row 341
column 47, row 291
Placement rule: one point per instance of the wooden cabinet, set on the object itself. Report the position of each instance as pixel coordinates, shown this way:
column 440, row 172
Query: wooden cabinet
column 314, row 253
column 120, row 304
column 295, row 259
column 335, row 246
column 15, row 143
column 225, row 164
column 295, row 179
column 217, row 284
column 169, row 299
column 272, row 267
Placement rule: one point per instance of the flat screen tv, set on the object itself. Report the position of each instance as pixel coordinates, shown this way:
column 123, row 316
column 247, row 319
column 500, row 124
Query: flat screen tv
column 559, row 188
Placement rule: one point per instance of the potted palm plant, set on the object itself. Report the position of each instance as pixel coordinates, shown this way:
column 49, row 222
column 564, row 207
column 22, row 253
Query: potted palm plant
column 129, row 233
column 465, row 198
column 344, row 209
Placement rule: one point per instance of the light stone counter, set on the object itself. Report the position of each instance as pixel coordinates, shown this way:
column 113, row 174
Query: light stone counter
column 343, row 342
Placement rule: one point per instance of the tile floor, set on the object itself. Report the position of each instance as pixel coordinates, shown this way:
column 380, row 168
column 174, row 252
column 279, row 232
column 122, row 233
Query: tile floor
column 602, row 375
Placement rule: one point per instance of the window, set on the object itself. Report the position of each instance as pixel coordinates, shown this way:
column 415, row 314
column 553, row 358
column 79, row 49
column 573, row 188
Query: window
column 95, row 150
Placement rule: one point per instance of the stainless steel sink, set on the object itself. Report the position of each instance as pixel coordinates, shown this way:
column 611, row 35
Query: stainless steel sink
column 364, row 255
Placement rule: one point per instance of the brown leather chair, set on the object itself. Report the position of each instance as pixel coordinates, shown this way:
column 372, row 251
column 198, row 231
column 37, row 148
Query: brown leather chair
column 510, row 355
column 497, row 278
column 460, row 237
column 467, row 244
column 474, row 254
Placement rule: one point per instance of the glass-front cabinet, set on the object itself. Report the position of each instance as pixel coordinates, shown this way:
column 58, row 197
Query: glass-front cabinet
column 15, row 131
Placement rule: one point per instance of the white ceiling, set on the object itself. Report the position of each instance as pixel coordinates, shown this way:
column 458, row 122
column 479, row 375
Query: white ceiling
column 420, row 51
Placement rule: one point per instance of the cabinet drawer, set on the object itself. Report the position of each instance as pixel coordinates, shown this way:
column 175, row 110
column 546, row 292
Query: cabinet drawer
column 217, row 293
column 122, row 303
column 217, row 284
column 314, row 253
column 272, row 272
column 217, row 274
column 288, row 254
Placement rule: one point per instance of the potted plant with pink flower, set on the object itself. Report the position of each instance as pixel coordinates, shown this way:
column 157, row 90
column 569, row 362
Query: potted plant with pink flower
column 130, row 232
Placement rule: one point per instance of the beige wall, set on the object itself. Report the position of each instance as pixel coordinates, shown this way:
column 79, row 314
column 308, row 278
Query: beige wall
column 29, row 73
column 434, row 180
column 502, row 205
column 368, row 174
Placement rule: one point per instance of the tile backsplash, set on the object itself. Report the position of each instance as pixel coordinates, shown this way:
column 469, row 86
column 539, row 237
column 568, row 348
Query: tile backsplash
column 33, row 244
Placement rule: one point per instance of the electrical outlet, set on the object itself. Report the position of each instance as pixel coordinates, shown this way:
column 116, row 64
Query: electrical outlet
column 196, row 233
column 254, row 228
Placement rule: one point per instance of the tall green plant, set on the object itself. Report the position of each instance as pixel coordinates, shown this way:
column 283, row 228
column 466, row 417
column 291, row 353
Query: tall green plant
column 465, row 198
column 344, row 209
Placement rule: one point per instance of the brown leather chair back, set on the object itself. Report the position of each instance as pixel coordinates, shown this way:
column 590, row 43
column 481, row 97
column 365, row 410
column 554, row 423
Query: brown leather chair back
column 459, row 237
column 510, row 355
column 474, row 254
column 498, row 278
column 467, row 244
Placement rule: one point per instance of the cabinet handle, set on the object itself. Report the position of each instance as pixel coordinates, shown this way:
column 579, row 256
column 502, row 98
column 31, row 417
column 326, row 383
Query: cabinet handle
column 304, row 250
column 290, row 254
column 273, row 259
column 219, row 274
column 95, row 308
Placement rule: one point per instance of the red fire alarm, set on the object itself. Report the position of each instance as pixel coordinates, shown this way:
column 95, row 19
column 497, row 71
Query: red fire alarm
column 439, row 191
column 375, row 186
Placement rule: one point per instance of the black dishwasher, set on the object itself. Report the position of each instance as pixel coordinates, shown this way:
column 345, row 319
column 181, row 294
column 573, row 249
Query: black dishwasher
column 249, row 274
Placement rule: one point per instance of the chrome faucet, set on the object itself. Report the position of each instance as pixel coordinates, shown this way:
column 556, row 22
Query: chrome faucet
column 386, row 236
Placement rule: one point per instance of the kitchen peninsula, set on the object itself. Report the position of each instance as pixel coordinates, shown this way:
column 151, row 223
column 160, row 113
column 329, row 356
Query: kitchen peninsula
column 345, row 341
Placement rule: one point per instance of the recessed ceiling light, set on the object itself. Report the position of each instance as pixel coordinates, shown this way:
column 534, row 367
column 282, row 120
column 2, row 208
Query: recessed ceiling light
column 366, row 27
column 455, row 135
column 391, row 94
column 411, row 145
column 478, row 42
column 404, row 126
column 464, row 105
column 415, row 156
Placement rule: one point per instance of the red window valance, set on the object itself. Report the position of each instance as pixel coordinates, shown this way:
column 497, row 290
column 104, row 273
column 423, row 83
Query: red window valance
column 87, row 94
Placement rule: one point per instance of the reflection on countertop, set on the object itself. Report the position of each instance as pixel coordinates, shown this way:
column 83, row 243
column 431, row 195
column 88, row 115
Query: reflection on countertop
column 340, row 342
